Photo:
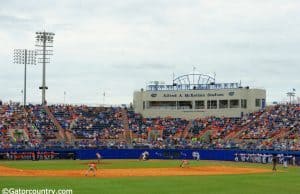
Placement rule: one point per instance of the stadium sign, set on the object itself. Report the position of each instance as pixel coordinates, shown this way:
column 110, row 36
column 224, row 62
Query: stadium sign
column 214, row 94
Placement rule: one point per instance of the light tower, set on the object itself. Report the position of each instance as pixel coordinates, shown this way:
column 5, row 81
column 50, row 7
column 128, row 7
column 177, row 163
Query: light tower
column 24, row 56
column 44, row 42
column 291, row 95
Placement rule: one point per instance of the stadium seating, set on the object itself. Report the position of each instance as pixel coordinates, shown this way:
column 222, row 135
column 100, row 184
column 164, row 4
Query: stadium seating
column 276, row 127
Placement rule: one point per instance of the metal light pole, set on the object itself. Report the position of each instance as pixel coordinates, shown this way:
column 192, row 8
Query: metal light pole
column 44, row 41
column 65, row 97
column 22, row 94
column 103, row 98
column 24, row 56
column 291, row 95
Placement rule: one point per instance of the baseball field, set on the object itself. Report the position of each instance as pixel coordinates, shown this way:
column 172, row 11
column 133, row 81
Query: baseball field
column 153, row 176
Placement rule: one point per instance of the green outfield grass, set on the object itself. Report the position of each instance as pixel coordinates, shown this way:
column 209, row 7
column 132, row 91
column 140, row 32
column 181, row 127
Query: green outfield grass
column 285, row 182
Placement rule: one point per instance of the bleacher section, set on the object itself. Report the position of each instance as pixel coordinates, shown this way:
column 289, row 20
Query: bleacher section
column 64, row 126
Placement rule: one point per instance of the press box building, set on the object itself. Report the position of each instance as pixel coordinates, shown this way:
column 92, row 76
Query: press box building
column 196, row 96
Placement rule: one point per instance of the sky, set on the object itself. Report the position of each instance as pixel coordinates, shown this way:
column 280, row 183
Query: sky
column 116, row 47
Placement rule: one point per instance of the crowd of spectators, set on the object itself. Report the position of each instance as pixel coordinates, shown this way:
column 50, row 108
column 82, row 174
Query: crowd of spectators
column 91, row 126
column 156, row 132
column 11, row 117
column 276, row 127
column 28, row 127
column 41, row 121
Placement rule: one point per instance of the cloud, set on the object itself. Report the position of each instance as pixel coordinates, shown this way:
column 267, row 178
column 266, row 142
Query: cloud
column 120, row 45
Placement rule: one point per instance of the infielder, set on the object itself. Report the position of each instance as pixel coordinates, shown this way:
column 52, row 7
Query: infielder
column 184, row 163
column 92, row 167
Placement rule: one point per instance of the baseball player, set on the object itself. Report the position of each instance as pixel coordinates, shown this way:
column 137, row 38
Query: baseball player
column 92, row 167
column 196, row 155
column 98, row 156
column 236, row 158
column 294, row 161
column 144, row 156
column 184, row 163
column 274, row 160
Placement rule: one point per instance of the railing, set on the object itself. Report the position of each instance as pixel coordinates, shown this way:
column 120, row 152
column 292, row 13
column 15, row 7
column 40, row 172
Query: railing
column 61, row 133
column 212, row 86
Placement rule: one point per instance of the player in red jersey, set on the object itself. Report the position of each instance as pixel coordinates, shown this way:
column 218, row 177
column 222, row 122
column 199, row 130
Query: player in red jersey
column 184, row 163
column 92, row 167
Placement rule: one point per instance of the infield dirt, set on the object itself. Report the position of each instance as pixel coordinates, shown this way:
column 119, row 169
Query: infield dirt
column 136, row 172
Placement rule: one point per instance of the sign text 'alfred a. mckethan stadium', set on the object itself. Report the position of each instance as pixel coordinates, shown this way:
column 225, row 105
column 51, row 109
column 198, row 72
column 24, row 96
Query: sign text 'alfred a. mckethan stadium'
column 190, row 95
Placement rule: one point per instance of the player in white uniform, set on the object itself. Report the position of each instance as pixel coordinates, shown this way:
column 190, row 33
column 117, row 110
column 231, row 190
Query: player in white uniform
column 98, row 156
column 144, row 156
column 264, row 158
column 236, row 158
column 196, row 155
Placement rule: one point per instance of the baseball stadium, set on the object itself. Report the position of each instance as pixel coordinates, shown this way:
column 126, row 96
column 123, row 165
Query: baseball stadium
column 228, row 141
column 102, row 122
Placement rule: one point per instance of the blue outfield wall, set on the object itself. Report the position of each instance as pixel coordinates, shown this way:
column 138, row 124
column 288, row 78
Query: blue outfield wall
column 156, row 154
column 86, row 154
column 225, row 155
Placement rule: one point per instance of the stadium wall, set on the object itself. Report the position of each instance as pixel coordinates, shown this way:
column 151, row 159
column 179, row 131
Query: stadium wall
column 87, row 154
column 223, row 155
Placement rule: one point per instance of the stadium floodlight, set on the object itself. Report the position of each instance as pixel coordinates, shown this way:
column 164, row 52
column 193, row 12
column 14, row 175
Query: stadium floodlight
column 291, row 95
column 44, row 41
column 24, row 56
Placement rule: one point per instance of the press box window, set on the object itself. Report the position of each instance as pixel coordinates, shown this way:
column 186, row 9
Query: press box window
column 162, row 104
column 212, row 104
column 234, row 104
column 244, row 103
column 257, row 102
column 200, row 104
column 223, row 104
column 184, row 105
